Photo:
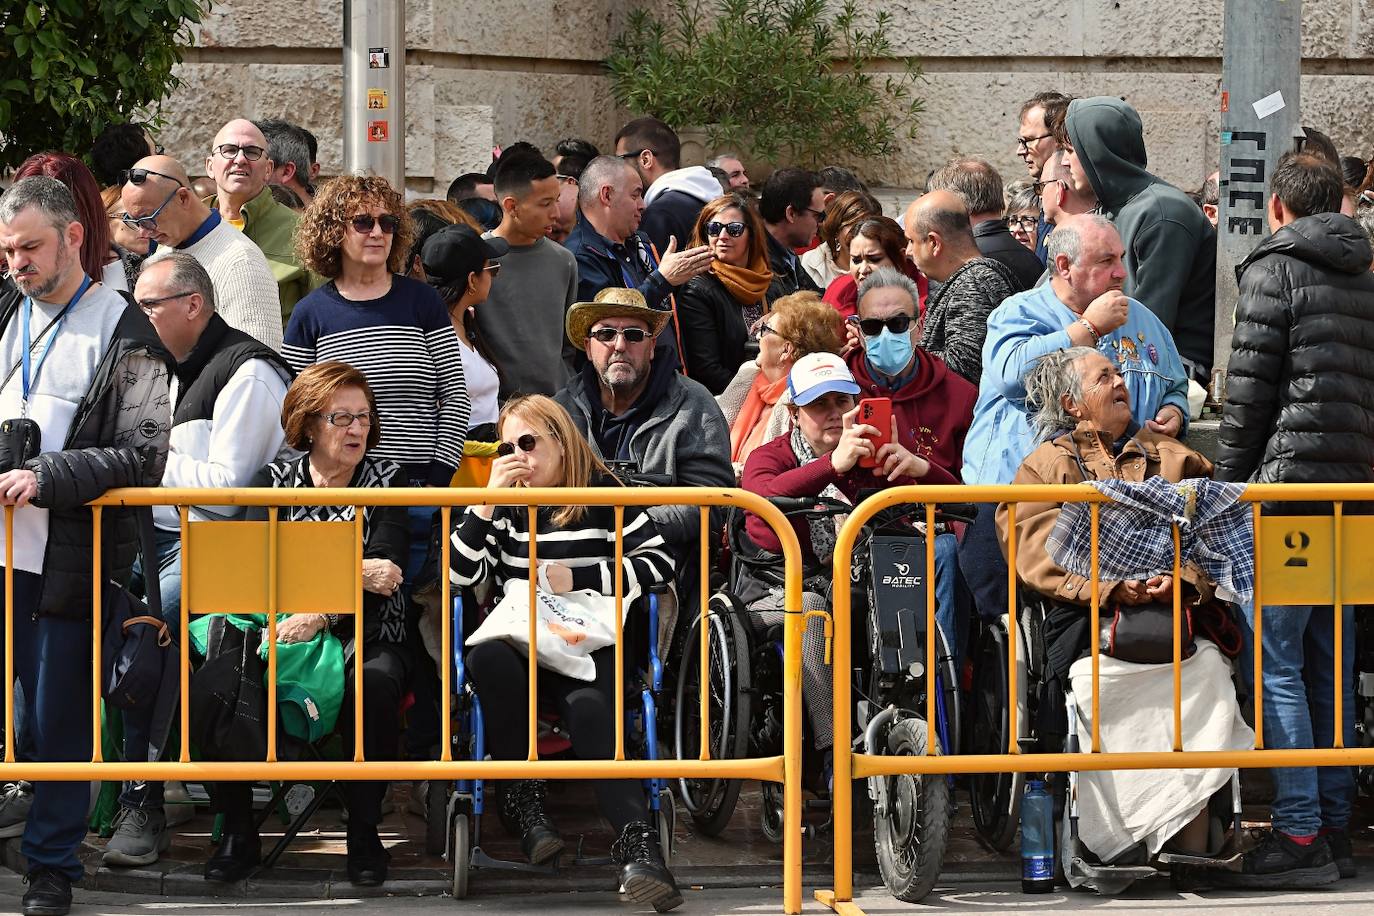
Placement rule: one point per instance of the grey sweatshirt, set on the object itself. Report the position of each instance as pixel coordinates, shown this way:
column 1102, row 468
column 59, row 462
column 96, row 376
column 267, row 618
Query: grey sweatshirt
column 521, row 322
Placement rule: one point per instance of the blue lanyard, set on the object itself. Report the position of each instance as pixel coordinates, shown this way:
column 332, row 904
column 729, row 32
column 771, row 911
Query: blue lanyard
column 31, row 381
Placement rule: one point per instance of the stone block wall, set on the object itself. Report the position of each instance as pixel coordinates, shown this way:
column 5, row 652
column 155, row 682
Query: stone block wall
column 481, row 73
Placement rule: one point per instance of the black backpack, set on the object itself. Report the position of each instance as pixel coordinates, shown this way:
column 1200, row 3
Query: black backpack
column 138, row 653
column 228, row 696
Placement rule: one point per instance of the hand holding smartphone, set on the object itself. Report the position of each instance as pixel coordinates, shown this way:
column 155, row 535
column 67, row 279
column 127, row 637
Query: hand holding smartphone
column 875, row 413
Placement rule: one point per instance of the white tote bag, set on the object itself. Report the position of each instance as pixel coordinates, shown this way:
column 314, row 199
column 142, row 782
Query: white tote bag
column 571, row 626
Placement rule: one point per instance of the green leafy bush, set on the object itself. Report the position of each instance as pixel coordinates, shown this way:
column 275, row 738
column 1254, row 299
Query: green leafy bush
column 780, row 78
column 69, row 68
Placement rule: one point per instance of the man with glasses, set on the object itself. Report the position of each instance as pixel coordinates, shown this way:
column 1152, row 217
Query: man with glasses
column 65, row 341
column 227, row 392
column 159, row 206
column 673, row 196
column 792, row 206
column 239, row 165
column 1040, row 118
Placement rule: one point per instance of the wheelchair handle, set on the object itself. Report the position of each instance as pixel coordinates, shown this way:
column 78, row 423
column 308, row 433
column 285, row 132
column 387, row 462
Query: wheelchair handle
column 811, row 506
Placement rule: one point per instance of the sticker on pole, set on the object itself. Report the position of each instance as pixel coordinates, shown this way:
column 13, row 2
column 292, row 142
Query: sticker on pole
column 378, row 131
column 376, row 99
column 378, row 59
column 1270, row 104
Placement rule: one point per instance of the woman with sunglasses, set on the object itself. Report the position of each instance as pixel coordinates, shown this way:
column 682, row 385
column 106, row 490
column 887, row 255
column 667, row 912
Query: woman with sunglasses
column 575, row 547
column 720, row 311
column 330, row 414
column 395, row 330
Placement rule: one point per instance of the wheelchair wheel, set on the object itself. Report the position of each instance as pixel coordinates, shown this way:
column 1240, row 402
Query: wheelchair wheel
column 771, row 813
column 460, row 854
column 991, row 795
column 912, row 830
column 436, row 817
column 667, row 823
column 711, row 802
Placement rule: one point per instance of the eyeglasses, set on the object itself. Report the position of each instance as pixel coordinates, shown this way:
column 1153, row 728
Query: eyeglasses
column 819, row 214
column 897, row 324
column 733, row 229
column 609, row 335
column 149, row 222
column 1023, row 222
column 231, row 151
column 138, row 176
column 495, row 268
column 363, row 223
column 526, row 443
column 637, row 153
column 1025, row 142
column 765, row 330
column 147, row 304
column 343, row 419
column 568, row 178
column 1039, row 186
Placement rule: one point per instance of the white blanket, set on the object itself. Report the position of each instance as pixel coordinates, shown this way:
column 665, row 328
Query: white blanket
column 1119, row 809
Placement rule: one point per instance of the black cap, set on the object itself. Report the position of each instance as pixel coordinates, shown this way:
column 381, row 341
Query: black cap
column 454, row 252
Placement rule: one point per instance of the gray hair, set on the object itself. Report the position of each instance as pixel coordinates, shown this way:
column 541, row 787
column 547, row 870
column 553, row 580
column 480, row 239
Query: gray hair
column 1047, row 381
column 1068, row 241
column 287, row 143
column 974, row 181
column 53, row 199
column 601, row 172
column 889, row 278
column 187, row 274
column 1021, row 196
column 715, row 161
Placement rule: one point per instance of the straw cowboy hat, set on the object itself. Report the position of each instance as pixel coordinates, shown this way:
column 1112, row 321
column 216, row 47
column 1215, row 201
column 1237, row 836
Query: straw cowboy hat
column 613, row 302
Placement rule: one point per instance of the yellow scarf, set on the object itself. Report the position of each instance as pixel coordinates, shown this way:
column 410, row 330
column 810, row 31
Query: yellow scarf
column 746, row 285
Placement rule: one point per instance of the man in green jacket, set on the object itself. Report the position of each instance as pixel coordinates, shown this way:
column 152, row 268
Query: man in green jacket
column 1171, row 248
column 239, row 166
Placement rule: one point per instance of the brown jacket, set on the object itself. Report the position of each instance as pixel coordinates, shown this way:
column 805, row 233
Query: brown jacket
column 1065, row 460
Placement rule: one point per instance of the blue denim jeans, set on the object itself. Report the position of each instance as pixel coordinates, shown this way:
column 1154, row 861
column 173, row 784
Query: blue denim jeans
column 1299, row 711
column 138, row 724
column 953, row 601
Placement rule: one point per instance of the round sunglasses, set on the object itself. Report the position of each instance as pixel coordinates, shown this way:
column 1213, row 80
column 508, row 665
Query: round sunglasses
column 527, row 443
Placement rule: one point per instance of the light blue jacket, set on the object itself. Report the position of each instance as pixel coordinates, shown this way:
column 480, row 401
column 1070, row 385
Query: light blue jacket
column 1027, row 326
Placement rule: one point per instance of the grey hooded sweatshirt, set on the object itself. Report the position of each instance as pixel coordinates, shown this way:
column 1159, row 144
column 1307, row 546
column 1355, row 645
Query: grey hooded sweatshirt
column 1171, row 248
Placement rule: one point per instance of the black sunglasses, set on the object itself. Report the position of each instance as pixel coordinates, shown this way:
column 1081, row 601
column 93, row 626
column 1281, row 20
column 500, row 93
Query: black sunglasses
column 363, row 223
column 527, row 442
column 608, row 335
column 636, row 154
column 897, row 324
column 138, row 176
column 733, row 229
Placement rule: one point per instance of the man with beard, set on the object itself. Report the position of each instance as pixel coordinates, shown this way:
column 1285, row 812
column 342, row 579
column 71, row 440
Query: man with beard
column 83, row 409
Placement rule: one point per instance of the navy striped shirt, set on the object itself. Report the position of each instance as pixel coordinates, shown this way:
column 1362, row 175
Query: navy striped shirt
column 404, row 343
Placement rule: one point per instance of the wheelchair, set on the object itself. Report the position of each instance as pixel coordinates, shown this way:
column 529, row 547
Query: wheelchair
column 1046, row 722
column 454, row 809
column 891, row 678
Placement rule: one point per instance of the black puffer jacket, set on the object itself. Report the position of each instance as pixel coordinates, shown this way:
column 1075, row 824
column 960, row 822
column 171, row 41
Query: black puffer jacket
column 1300, row 386
column 118, row 438
column 714, row 334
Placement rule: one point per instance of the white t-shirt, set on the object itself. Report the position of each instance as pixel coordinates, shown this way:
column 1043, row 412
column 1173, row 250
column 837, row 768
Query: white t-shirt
column 483, row 385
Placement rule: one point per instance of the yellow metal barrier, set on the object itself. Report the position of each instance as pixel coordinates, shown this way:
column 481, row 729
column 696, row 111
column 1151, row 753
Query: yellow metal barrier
column 317, row 567
column 1298, row 560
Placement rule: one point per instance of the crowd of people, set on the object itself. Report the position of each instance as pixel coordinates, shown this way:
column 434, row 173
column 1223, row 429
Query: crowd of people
column 596, row 315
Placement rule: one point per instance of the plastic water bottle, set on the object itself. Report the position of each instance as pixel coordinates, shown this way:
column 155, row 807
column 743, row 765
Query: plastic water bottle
column 1037, row 839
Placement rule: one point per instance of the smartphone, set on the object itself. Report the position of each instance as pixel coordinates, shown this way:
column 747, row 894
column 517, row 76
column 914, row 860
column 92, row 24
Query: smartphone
column 876, row 412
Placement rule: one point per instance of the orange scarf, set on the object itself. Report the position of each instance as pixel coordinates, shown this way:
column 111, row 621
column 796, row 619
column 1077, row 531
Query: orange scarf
column 746, row 285
column 747, row 433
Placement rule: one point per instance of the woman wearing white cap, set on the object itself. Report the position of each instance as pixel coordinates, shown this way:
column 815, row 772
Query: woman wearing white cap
column 819, row 457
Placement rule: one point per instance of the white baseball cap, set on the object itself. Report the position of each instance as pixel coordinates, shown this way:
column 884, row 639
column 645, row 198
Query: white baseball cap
column 817, row 374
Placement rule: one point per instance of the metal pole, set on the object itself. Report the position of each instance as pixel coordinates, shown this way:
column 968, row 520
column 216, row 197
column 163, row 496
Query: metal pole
column 374, row 88
column 1260, row 116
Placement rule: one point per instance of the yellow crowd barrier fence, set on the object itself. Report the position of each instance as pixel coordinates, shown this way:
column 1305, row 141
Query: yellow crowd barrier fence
column 1299, row 560
column 275, row 569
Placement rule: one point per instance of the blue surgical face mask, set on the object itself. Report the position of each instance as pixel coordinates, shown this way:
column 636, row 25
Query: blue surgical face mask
column 889, row 353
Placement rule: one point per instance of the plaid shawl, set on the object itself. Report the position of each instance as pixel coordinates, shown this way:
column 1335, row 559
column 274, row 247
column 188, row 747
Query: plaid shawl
column 1135, row 538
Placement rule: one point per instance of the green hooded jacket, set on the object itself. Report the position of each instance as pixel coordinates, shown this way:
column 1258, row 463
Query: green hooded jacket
column 1171, row 248
column 272, row 227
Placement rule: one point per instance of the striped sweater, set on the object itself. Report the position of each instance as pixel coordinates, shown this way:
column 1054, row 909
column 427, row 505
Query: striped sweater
column 499, row 548
column 404, row 343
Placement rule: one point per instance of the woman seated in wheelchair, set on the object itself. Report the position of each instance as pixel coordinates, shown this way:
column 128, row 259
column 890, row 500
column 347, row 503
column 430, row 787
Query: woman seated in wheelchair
column 575, row 547
column 329, row 413
column 1082, row 414
column 819, row 457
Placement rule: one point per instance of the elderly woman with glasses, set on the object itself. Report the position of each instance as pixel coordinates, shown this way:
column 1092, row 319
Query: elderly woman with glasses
column 330, row 414
column 1023, row 212
column 721, row 310
column 393, row 329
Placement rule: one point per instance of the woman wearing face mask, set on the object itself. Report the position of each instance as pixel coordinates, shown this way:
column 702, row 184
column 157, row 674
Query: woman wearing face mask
column 720, row 311
column 819, row 457
column 873, row 243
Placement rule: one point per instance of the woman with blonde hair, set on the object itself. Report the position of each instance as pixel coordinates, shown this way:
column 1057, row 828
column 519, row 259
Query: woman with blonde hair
column 576, row 550
column 799, row 324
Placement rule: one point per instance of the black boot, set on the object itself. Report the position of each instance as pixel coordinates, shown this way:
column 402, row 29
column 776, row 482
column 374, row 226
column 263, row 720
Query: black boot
column 523, row 805
column 367, row 857
column 644, row 876
column 49, row 893
column 238, row 854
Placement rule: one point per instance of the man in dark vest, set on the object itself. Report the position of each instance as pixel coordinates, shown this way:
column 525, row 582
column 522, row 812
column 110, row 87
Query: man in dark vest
column 227, row 393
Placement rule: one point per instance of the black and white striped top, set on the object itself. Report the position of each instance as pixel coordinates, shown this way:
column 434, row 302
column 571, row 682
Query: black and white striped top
column 500, row 548
column 404, row 343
